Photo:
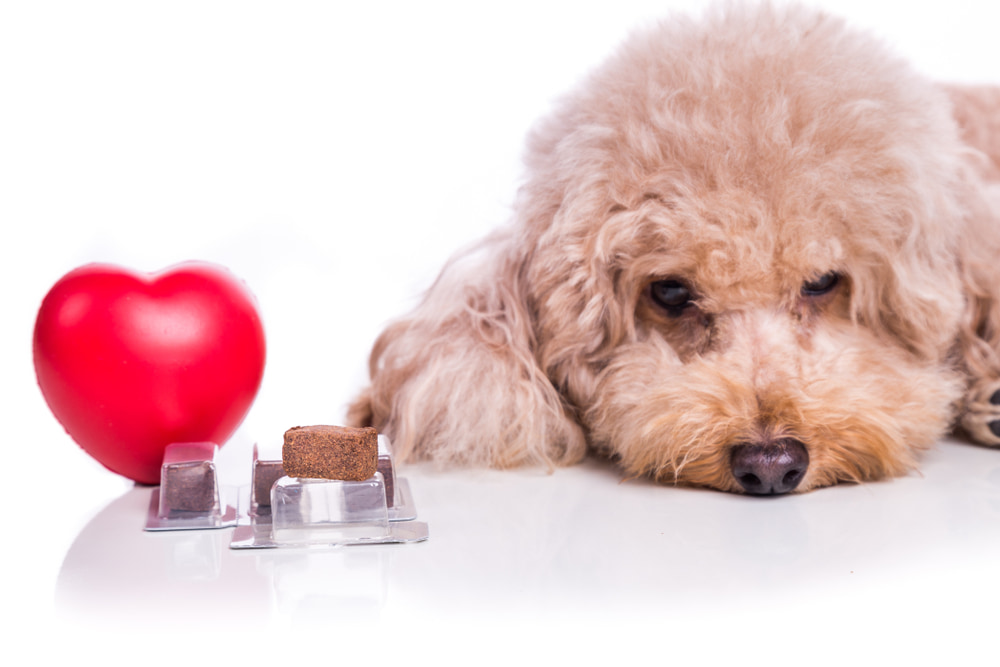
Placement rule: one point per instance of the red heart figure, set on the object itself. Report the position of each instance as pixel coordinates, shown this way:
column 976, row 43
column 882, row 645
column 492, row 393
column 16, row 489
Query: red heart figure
column 131, row 362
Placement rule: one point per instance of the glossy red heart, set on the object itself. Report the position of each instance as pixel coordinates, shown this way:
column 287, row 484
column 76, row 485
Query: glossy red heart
column 131, row 362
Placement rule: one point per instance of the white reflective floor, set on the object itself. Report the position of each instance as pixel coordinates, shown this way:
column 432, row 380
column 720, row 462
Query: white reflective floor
column 906, row 567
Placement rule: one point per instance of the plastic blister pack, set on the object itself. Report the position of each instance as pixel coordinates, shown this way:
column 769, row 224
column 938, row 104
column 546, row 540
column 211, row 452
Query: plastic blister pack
column 189, row 496
column 287, row 511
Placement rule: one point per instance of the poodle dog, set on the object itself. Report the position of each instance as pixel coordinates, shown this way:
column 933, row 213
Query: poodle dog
column 753, row 252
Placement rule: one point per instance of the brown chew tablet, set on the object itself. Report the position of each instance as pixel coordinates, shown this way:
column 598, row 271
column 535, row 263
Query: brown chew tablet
column 189, row 487
column 385, row 467
column 265, row 474
column 330, row 452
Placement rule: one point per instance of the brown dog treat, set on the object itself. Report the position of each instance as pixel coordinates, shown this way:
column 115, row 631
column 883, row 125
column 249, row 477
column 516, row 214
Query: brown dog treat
column 265, row 474
column 188, row 487
column 187, row 479
column 388, row 477
column 330, row 452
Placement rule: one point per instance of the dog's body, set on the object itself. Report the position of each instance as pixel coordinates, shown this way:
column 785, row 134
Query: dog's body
column 756, row 253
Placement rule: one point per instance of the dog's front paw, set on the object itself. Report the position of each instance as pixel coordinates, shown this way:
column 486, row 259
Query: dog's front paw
column 982, row 414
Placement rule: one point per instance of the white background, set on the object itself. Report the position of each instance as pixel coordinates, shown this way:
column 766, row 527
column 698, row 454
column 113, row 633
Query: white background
column 333, row 155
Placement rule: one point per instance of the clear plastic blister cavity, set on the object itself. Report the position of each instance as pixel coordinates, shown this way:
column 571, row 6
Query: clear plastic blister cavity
column 287, row 511
column 189, row 496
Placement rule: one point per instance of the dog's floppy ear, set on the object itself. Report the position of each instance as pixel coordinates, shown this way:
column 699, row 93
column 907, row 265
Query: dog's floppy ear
column 929, row 272
column 458, row 380
column 977, row 111
column 979, row 271
column 979, row 334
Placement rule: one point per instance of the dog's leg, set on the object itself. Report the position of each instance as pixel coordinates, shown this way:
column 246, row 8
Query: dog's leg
column 982, row 414
column 979, row 342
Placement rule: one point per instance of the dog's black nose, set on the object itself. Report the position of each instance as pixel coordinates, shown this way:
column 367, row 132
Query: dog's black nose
column 770, row 469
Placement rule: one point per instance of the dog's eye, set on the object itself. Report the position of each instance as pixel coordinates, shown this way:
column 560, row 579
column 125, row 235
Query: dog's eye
column 672, row 295
column 821, row 285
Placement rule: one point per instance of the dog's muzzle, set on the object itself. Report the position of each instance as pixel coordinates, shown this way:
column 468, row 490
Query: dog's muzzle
column 770, row 469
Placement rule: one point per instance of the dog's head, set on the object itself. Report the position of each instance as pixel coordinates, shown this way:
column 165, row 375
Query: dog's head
column 735, row 262
column 744, row 255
